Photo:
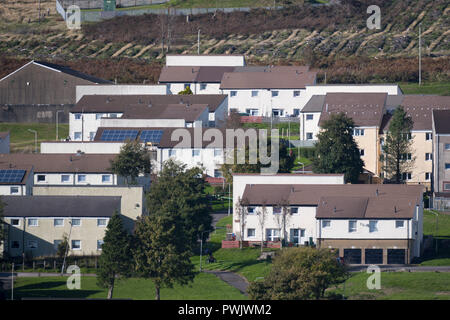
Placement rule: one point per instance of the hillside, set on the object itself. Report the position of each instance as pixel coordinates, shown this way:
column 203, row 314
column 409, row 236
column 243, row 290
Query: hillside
column 332, row 38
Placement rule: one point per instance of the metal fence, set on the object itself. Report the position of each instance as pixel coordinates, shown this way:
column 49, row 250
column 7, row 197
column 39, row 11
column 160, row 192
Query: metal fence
column 441, row 204
column 98, row 4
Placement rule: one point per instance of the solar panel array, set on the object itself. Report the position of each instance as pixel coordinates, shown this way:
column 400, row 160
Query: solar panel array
column 14, row 176
column 153, row 136
column 118, row 135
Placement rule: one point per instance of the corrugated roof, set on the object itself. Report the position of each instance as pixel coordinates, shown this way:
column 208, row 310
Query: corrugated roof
column 268, row 80
column 341, row 201
column 366, row 109
column 60, row 206
column 55, row 163
column 119, row 103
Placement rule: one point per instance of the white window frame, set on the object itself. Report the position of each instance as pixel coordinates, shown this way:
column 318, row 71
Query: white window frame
column 397, row 226
column 428, row 136
column 104, row 176
column 77, row 116
column 65, row 175
column 275, row 93
column 309, row 136
column 99, row 248
column 218, row 152
column 81, row 175
column 373, row 228
column 41, row 175
column 15, row 225
column 203, row 86
column 251, row 210
column 98, row 116
column 296, row 93
column 58, row 226
column 77, row 135
column 254, row 233
column 326, row 224
column 447, row 146
column 309, row 115
column 102, row 225
column 33, row 225
column 195, row 151
column 353, row 223
column 72, row 242
column 76, row 225
column 293, row 209
column 428, row 156
column 15, row 188
column 255, row 93
column 273, row 236
column 172, row 153
column 233, row 93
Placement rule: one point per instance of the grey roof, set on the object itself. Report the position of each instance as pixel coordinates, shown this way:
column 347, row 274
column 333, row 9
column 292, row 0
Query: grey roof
column 60, row 206
column 290, row 79
column 72, row 72
column 441, row 121
column 393, row 102
column 315, row 104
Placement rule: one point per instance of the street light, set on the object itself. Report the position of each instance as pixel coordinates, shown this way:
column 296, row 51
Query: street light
column 35, row 139
column 201, row 248
column 57, row 123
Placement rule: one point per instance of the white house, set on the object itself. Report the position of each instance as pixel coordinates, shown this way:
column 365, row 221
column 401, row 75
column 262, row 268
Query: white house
column 16, row 180
column 208, row 60
column 366, row 224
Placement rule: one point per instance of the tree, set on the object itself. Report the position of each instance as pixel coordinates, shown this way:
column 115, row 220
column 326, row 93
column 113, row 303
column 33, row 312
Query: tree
column 282, row 219
column 241, row 214
column 185, row 190
column 336, row 150
column 186, row 91
column 262, row 217
column 63, row 247
column 116, row 257
column 233, row 120
column 132, row 160
column 299, row 273
column 163, row 250
column 397, row 146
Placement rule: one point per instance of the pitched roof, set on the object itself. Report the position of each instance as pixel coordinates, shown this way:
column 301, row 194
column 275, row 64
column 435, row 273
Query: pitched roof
column 26, row 167
column 292, row 79
column 350, row 201
column 193, row 74
column 119, row 103
column 315, row 104
column 366, row 109
column 60, row 206
column 441, row 121
column 72, row 72
column 55, row 163
column 420, row 107
column 187, row 112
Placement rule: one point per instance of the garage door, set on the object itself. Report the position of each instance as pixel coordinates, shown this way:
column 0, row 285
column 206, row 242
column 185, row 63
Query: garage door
column 374, row 256
column 396, row 256
column 352, row 256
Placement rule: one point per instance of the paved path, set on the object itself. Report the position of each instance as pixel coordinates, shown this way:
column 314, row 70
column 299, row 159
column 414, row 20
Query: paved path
column 233, row 279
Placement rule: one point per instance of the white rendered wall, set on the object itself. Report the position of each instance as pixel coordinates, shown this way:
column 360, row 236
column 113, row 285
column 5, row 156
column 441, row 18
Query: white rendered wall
column 91, row 179
column 176, row 87
column 86, row 147
column 118, row 90
column 205, row 60
column 87, row 124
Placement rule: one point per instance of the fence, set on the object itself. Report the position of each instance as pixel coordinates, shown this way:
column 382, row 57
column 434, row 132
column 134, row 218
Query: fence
column 49, row 263
column 98, row 4
column 441, row 204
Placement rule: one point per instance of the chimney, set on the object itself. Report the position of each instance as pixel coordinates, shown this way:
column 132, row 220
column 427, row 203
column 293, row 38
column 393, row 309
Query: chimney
column 395, row 209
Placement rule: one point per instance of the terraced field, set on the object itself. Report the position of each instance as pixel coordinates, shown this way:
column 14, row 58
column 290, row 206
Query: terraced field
column 22, row 35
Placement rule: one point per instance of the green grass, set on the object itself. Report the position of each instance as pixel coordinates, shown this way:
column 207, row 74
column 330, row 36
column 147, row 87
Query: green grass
column 439, row 88
column 204, row 287
column 429, row 224
column 22, row 140
column 398, row 286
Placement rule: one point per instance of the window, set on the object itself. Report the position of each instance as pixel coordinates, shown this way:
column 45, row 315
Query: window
column 101, row 222
column 447, row 166
column 446, row 186
column 195, row 152
column 277, row 210
column 77, row 116
column 296, row 112
column 76, row 222
column 352, row 226
column 251, row 210
column 15, row 244
column 98, row 116
column 447, row 146
column 427, row 175
column 113, row 115
column 358, row 132
column 218, row 173
column 273, row 234
column 217, row 152
column 99, row 244
column 32, row 222
column 233, row 93
column 81, row 178
column 65, row 178
column 373, row 226
column 32, row 244
column 106, row 178
column 361, row 152
column 14, row 190
column 252, row 112
column 15, row 222
column 294, row 210
column 91, row 135
column 274, row 93
column 41, row 177
column 56, row 244
column 172, row 153
column 399, row 224
column 326, row 223
column 406, row 156
column 202, row 86
column 251, row 233
column 296, row 93
column 76, row 244
column 309, row 136
column 309, row 117
column 406, row 176
column 428, row 156
column 428, row 136
column 295, row 235
column 77, row 135
column 407, row 136
column 58, row 222
column 254, row 93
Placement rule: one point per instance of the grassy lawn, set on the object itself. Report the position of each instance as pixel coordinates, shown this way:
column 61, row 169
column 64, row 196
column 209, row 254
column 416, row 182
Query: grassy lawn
column 23, row 140
column 429, row 224
column 220, row 203
column 398, row 286
column 204, row 287
column 439, row 88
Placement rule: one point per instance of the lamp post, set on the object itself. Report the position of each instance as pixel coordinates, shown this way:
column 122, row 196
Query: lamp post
column 437, row 221
column 57, row 123
column 201, row 248
column 35, row 139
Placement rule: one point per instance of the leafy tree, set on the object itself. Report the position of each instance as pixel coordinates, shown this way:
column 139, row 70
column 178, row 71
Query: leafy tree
column 116, row 257
column 186, row 91
column 185, row 191
column 397, row 145
column 233, row 120
column 63, row 247
column 163, row 249
column 132, row 160
column 298, row 274
column 336, row 150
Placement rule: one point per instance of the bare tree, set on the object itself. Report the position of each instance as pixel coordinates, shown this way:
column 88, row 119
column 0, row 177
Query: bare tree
column 262, row 216
column 282, row 219
column 241, row 211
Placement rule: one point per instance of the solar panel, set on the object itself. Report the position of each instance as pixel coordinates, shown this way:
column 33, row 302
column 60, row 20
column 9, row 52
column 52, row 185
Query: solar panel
column 118, row 135
column 153, row 136
column 11, row 175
